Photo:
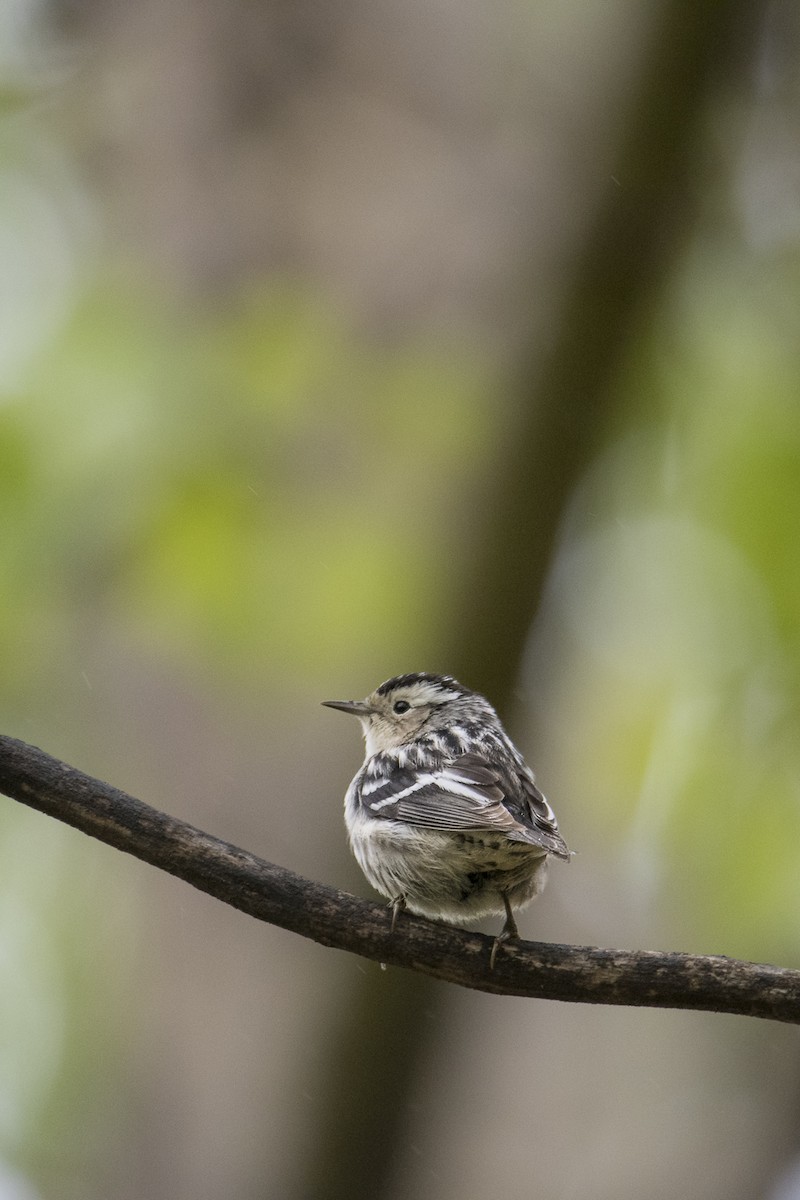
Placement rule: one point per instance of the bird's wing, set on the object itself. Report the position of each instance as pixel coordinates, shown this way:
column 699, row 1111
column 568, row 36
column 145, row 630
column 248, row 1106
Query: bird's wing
column 467, row 793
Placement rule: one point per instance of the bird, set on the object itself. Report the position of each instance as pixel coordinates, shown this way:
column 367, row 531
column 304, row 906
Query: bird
column 444, row 816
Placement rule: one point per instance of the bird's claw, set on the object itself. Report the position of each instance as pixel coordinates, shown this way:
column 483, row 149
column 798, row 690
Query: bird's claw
column 397, row 905
column 508, row 935
column 509, row 931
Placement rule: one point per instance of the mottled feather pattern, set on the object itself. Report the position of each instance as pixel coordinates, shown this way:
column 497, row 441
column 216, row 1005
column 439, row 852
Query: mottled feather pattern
column 494, row 789
column 444, row 815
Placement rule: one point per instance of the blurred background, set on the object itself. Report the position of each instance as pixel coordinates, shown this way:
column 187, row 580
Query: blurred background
column 339, row 340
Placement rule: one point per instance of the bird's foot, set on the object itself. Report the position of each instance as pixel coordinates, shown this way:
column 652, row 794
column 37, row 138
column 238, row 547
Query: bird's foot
column 396, row 905
column 509, row 933
column 506, row 936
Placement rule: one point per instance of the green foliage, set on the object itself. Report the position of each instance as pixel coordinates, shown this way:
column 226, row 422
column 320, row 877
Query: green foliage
column 251, row 487
column 679, row 590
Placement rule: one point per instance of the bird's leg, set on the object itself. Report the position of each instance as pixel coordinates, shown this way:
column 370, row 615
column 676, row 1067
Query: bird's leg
column 396, row 905
column 508, row 932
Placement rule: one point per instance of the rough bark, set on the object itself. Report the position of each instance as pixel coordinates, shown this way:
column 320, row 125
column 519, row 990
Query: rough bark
column 580, row 974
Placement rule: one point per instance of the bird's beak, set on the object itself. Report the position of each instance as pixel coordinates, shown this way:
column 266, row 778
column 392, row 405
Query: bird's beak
column 359, row 708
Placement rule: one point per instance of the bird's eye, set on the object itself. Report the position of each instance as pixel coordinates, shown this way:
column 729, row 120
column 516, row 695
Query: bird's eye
column 401, row 706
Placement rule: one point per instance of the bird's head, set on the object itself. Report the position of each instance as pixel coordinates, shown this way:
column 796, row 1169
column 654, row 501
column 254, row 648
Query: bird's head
column 400, row 710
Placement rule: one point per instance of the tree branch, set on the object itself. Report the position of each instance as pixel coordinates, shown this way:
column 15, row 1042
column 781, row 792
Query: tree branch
column 270, row 893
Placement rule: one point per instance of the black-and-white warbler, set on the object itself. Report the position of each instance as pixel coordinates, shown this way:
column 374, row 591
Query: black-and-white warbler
column 444, row 816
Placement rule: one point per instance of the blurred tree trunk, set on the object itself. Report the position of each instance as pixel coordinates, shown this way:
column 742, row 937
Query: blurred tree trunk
column 561, row 407
column 562, row 399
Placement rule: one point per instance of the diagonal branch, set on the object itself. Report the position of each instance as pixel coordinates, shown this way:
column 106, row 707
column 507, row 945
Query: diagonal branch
column 270, row 893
